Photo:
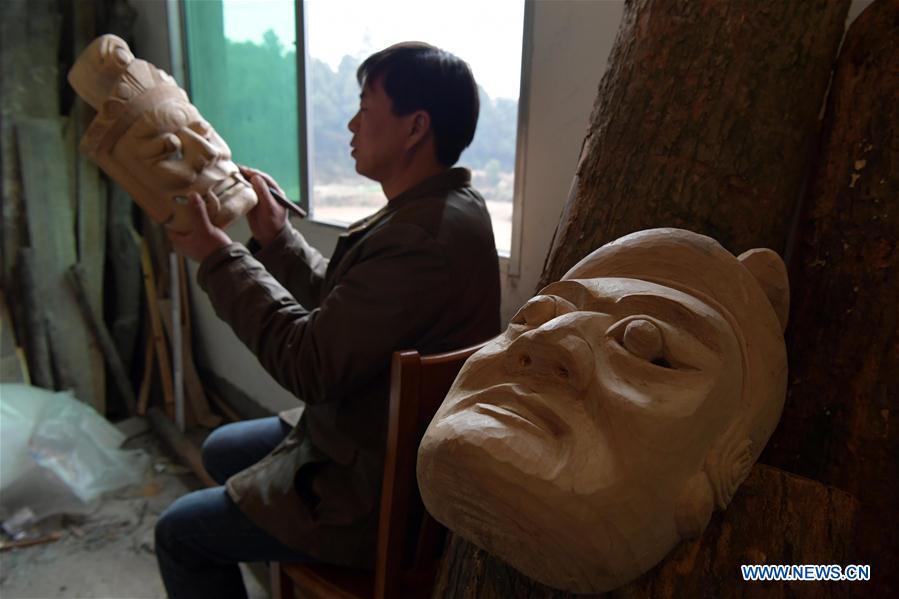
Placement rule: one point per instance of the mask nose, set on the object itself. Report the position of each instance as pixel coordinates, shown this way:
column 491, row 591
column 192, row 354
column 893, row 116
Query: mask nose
column 558, row 354
column 201, row 152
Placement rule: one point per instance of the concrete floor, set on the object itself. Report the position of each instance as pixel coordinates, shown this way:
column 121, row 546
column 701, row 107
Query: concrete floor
column 109, row 553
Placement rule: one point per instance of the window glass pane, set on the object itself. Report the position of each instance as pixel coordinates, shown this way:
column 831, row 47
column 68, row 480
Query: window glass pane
column 340, row 34
column 243, row 78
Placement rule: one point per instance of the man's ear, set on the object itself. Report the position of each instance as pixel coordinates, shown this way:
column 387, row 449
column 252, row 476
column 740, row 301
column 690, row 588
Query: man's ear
column 419, row 129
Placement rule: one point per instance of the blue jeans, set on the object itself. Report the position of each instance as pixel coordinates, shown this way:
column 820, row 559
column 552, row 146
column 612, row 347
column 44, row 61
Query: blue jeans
column 203, row 535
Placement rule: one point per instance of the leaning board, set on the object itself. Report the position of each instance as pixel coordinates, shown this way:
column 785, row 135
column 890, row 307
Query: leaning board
column 51, row 229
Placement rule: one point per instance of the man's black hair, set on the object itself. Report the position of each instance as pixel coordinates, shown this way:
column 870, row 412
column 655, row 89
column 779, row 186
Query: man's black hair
column 419, row 76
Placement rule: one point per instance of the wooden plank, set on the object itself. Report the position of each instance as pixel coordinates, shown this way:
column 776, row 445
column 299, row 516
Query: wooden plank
column 34, row 319
column 52, row 234
column 12, row 100
column 91, row 200
column 162, row 352
column 125, row 282
column 11, row 370
column 149, row 358
column 30, row 542
column 193, row 385
column 192, row 381
column 78, row 280
column 90, row 191
column 196, row 397
column 179, row 444
column 174, row 333
column 23, row 366
column 159, row 247
column 29, row 78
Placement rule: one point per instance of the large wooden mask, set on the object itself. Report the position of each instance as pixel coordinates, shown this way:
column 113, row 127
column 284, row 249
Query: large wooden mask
column 150, row 139
column 621, row 406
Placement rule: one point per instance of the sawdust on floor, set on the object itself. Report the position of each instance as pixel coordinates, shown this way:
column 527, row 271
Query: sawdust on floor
column 109, row 553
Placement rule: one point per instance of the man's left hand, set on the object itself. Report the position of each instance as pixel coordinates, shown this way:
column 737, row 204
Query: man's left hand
column 204, row 238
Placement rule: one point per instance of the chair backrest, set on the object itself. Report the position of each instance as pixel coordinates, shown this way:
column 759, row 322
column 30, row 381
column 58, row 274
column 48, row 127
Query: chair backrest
column 418, row 385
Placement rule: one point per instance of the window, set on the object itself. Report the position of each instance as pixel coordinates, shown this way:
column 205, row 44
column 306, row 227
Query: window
column 251, row 96
column 242, row 74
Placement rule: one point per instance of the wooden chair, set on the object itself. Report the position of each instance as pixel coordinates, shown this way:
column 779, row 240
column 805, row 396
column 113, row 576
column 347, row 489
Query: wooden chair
column 407, row 557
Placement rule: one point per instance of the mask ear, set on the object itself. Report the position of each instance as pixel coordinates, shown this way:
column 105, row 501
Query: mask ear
column 726, row 466
column 771, row 273
column 694, row 506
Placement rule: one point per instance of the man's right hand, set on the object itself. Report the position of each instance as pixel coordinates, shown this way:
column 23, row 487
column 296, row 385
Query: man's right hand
column 268, row 217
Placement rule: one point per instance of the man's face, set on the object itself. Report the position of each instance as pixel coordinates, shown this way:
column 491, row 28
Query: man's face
column 582, row 422
column 171, row 151
column 379, row 136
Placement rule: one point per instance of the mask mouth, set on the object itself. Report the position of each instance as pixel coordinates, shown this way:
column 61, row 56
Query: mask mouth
column 226, row 185
column 512, row 420
column 515, row 404
column 216, row 192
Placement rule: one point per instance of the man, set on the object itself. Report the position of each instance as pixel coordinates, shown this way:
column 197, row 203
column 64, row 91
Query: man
column 420, row 273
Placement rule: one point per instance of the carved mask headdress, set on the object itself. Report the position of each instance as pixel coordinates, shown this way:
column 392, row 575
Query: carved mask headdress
column 150, row 139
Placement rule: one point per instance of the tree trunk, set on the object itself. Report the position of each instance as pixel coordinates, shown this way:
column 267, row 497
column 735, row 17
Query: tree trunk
column 704, row 120
column 839, row 422
column 775, row 518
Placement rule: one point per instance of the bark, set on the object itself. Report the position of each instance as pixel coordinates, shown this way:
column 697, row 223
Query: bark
column 839, row 421
column 704, row 120
column 805, row 522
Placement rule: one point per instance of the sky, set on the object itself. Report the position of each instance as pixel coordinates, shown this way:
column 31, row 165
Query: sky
column 485, row 33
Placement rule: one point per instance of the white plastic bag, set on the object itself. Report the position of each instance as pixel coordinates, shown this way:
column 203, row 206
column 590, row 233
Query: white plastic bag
column 57, row 455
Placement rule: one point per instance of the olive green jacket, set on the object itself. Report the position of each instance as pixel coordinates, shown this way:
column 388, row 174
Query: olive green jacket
column 420, row 273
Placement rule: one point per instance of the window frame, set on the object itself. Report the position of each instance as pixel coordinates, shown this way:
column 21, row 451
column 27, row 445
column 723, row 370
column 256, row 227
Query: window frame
column 513, row 267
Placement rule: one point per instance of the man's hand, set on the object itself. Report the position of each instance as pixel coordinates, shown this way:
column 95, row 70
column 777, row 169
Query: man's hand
column 267, row 217
column 204, row 237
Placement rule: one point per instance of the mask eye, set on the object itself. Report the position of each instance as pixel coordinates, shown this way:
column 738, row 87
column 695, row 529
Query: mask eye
column 202, row 128
column 172, row 148
column 643, row 338
column 541, row 309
